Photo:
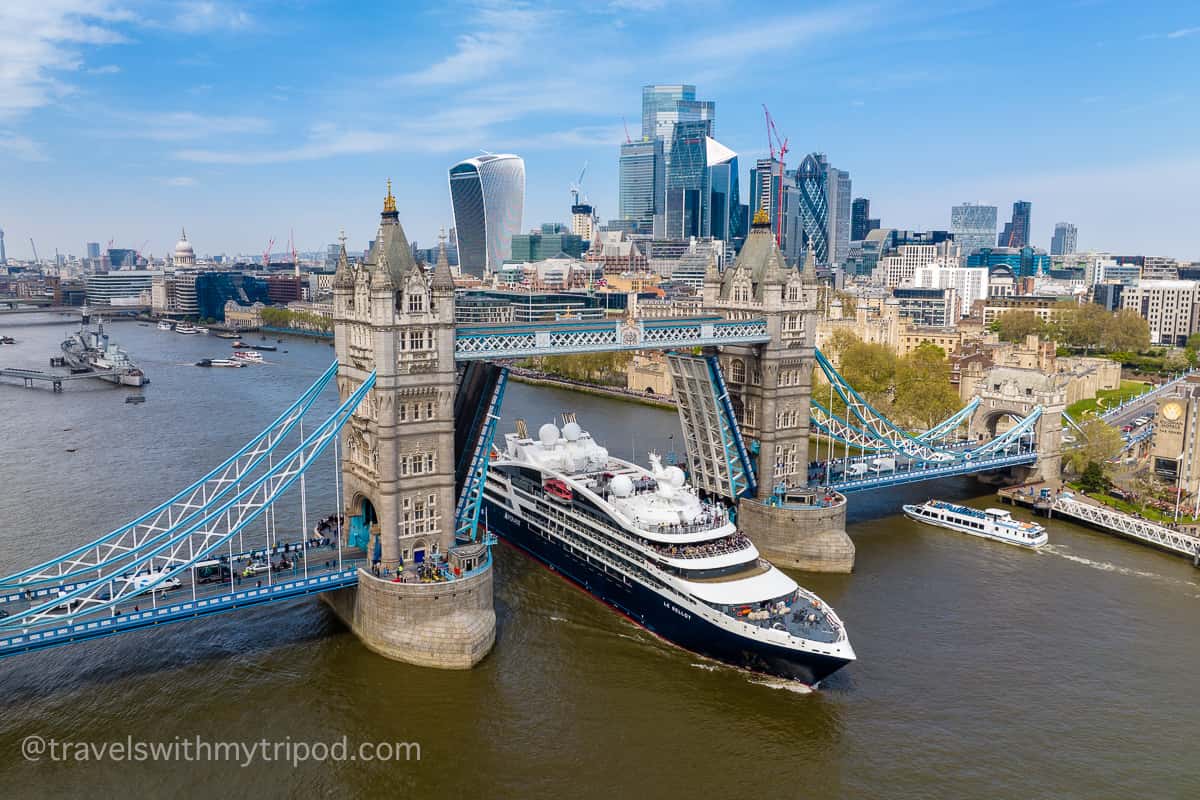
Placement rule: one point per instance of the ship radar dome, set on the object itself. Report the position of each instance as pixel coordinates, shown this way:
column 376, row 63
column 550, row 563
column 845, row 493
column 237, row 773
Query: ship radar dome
column 571, row 431
column 622, row 486
column 548, row 434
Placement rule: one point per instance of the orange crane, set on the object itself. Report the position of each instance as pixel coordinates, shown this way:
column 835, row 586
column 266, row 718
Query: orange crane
column 267, row 254
column 626, row 124
column 773, row 138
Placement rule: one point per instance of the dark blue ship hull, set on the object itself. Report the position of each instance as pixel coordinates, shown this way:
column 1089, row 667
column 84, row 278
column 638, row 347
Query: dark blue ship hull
column 658, row 614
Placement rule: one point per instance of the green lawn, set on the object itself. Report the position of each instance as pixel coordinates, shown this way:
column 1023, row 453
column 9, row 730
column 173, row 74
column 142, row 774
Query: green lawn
column 1106, row 399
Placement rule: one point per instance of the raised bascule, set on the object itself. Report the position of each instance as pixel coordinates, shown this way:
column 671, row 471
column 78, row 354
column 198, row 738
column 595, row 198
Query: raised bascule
column 406, row 563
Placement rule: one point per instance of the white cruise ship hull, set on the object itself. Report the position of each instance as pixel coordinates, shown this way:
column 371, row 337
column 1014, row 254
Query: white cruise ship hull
column 659, row 613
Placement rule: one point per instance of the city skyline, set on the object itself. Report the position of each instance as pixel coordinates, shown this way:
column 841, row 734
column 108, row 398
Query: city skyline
column 128, row 122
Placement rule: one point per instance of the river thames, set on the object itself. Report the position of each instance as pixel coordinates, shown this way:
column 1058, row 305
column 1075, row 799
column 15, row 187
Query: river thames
column 983, row 671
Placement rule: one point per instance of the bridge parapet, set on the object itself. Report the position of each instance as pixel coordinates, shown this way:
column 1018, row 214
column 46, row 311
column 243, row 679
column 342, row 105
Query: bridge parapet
column 1010, row 393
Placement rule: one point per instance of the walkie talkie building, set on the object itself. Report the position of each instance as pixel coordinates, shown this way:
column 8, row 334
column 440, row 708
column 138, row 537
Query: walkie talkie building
column 487, row 195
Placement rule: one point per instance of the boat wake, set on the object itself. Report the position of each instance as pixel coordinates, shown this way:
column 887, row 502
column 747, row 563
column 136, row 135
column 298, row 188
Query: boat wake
column 795, row 687
column 1105, row 566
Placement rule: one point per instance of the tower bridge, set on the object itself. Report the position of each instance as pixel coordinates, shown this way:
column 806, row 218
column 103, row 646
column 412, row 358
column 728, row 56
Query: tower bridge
column 403, row 561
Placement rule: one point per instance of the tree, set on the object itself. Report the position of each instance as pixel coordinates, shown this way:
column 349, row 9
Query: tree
column 923, row 393
column 871, row 370
column 1126, row 331
column 1084, row 326
column 839, row 340
column 1096, row 442
column 1178, row 360
column 1014, row 326
column 1093, row 479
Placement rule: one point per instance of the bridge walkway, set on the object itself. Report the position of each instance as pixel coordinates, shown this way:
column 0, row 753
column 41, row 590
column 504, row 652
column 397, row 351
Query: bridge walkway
column 1122, row 524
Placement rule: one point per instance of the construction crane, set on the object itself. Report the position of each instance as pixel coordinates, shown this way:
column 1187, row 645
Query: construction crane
column 626, row 124
column 577, row 186
column 773, row 138
column 267, row 254
column 36, row 260
column 292, row 247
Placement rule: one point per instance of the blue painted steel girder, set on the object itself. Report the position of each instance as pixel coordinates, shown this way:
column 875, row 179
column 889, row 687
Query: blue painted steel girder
column 474, row 342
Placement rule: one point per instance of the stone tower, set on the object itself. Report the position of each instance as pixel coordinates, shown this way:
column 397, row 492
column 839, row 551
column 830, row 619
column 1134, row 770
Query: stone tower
column 398, row 450
column 398, row 486
column 769, row 384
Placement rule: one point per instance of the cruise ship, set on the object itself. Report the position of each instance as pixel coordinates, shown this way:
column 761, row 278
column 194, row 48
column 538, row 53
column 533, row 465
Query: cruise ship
column 993, row 523
column 644, row 542
column 91, row 351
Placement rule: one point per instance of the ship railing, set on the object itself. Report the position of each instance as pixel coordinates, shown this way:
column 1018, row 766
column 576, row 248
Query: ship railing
column 731, row 544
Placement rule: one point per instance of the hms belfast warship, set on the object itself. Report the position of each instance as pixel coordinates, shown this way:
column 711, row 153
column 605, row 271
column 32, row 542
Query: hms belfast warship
column 91, row 351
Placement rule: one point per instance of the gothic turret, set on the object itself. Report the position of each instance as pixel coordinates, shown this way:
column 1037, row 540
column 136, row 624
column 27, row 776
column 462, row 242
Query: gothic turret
column 443, row 278
column 390, row 260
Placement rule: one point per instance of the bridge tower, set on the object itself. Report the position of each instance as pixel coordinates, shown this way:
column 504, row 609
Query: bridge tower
column 770, row 386
column 398, row 483
column 1009, row 393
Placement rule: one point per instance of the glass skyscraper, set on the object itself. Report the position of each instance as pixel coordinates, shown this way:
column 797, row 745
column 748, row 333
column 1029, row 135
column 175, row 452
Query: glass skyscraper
column 724, row 207
column 1064, row 240
column 487, row 196
column 688, row 180
column 1016, row 232
column 663, row 105
column 824, row 209
column 860, row 219
column 973, row 226
column 642, row 186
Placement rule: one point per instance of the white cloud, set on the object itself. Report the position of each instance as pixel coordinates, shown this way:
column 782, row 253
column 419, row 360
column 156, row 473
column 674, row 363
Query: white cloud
column 203, row 16
column 107, row 69
column 503, row 34
column 40, row 40
column 181, row 180
column 20, row 147
column 761, row 35
column 1182, row 32
column 178, row 126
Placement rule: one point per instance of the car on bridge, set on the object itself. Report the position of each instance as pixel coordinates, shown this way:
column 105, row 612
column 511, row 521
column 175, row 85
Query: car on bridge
column 153, row 581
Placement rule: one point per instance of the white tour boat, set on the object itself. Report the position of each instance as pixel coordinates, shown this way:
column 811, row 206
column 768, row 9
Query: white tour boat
column 991, row 523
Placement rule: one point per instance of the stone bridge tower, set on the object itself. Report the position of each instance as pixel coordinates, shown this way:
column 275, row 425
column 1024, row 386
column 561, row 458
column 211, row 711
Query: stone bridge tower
column 1009, row 393
column 770, row 386
column 393, row 318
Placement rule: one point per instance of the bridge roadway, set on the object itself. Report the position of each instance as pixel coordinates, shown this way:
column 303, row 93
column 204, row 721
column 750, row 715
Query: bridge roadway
column 912, row 471
column 326, row 572
column 1122, row 524
column 1130, row 410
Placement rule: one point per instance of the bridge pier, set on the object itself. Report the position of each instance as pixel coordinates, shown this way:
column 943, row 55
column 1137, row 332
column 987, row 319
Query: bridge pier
column 809, row 538
column 440, row 625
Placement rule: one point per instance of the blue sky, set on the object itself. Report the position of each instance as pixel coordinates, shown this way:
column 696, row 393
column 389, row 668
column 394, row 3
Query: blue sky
column 242, row 121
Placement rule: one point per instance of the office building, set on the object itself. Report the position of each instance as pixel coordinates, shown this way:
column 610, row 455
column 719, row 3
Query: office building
column 1064, row 239
column 642, row 188
column 121, row 258
column 1016, row 231
column 765, row 178
column 666, row 105
column 1023, row 262
column 824, row 209
column 973, row 226
column 214, row 289
column 117, row 288
column 93, row 251
column 1169, row 306
column 3, row 255
column 725, row 204
column 530, row 247
column 900, row 267
column 970, row 283
column 933, row 308
column 688, row 181
column 860, row 219
column 487, row 196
